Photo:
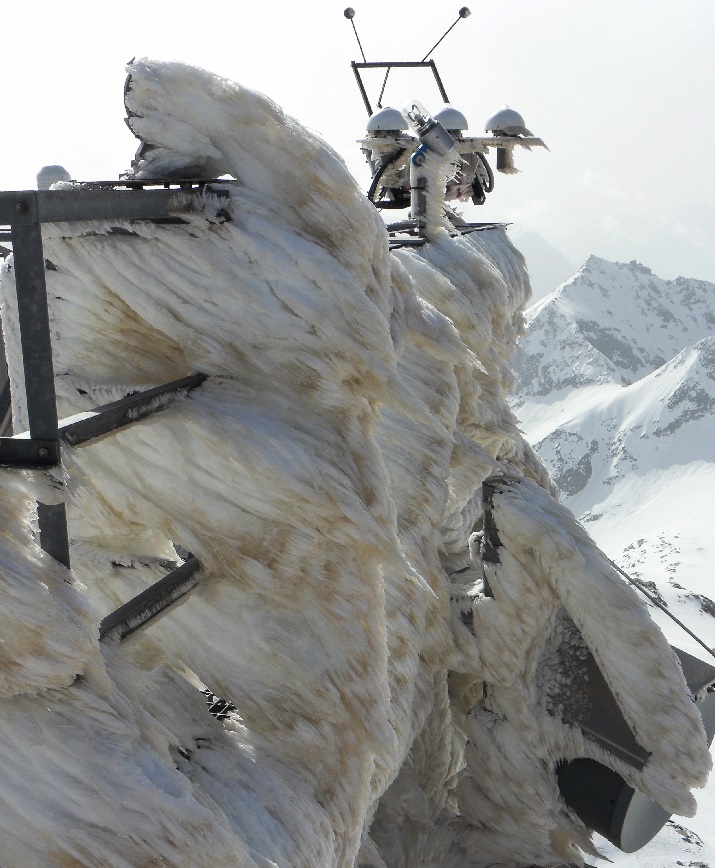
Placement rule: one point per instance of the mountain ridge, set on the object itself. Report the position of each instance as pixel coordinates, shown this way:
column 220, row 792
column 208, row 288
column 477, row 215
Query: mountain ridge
column 610, row 335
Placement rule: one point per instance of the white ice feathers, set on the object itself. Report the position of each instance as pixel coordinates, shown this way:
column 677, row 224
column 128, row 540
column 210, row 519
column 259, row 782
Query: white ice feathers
column 327, row 475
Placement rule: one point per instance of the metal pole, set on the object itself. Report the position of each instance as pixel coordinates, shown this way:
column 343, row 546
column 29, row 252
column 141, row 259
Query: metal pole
column 34, row 322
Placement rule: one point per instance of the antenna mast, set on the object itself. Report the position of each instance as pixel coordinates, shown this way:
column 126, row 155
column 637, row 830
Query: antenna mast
column 464, row 12
column 350, row 14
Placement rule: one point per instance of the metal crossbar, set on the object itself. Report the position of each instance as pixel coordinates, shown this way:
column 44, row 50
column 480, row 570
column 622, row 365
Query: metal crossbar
column 394, row 64
column 21, row 450
column 111, row 417
column 151, row 603
column 92, row 202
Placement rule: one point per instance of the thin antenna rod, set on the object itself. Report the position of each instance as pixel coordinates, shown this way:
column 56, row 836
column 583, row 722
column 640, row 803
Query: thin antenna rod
column 463, row 13
column 349, row 13
column 379, row 99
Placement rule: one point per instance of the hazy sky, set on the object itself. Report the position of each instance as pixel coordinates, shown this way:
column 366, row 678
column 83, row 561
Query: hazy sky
column 621, row 91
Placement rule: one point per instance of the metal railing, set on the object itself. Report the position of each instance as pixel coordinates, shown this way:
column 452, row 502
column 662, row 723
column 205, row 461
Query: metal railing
column 24, row 212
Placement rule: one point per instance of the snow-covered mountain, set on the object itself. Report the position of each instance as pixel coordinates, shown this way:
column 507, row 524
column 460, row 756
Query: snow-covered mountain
column 616, row 389
column 616, row 392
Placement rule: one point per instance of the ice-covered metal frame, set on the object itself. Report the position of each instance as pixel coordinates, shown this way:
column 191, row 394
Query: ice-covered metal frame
column 24, row 212
column 596, row 712
column 599, row 796
column 389, row 65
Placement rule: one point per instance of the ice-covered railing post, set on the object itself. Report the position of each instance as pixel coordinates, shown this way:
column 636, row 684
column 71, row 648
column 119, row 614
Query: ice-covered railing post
column 20, row 210
column 409, row 171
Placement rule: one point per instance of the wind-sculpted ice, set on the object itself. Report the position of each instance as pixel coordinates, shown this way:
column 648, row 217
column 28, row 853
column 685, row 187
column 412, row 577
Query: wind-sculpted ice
column 328, row 477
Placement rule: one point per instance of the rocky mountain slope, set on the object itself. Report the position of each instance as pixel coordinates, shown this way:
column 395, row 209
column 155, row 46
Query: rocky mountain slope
column 616, row 392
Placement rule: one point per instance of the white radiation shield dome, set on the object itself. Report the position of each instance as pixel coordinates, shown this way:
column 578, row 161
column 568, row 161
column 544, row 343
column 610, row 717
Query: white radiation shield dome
column 451, row 118
column 507, row 122
column 386, row 120
column 49, row 175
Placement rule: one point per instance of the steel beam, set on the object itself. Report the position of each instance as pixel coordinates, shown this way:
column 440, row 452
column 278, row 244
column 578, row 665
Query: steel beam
column 126, row 411
column 34, row 324
column 87, row 203
column 151, row 603
column 52, row 519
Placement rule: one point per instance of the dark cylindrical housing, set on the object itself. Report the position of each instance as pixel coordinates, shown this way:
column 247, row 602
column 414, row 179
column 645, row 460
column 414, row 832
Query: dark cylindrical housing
column 505, row 160
column 604, row 802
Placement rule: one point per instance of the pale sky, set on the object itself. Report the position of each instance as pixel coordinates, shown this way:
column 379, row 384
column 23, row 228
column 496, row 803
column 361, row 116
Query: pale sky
column 620, row 90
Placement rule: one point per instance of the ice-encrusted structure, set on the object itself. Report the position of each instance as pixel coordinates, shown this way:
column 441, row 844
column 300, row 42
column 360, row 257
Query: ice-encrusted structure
column 328, row 477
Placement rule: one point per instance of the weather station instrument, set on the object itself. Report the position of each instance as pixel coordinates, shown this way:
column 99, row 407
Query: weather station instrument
column 398, row 143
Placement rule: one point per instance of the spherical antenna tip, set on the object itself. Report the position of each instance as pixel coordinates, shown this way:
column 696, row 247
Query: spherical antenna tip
column 465, row 12
column 350, row 12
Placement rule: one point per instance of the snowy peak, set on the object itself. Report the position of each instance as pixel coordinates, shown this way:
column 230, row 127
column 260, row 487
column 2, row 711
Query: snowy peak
column 607, row 434
column 611, row 323
column 692, row 396
column 616, row 376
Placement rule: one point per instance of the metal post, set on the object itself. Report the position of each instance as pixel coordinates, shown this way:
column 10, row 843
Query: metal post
column 434, row 139
column 54, row 540
column 35, row 330
column 34, row 322
column 419, row 189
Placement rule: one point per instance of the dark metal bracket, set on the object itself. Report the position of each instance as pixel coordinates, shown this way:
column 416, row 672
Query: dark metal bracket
column 29, row 452
column 151, row 603
column 393, row 64
column 119, row 414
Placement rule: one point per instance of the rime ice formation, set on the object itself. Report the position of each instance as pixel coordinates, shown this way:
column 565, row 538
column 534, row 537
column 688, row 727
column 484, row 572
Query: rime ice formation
column 328, row 477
